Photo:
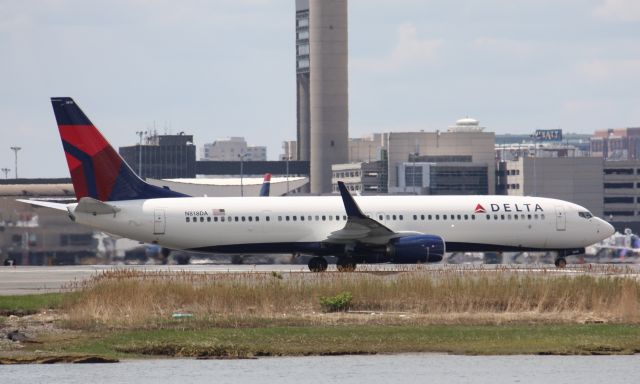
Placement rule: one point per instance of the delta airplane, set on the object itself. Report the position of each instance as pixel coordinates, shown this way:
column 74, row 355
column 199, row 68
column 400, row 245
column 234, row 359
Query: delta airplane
column 360, row 229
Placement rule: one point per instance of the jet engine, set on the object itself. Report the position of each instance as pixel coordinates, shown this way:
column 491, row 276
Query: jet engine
column 416, row 249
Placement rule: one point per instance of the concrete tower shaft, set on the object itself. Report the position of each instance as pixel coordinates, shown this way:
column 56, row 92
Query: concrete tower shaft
column 329, row 104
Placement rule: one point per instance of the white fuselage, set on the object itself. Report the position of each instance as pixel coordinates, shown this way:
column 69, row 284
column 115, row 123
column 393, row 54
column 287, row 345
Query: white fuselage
column 202, row 222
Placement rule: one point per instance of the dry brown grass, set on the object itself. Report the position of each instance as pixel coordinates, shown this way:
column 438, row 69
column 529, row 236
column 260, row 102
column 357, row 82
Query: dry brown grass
column 126, row 298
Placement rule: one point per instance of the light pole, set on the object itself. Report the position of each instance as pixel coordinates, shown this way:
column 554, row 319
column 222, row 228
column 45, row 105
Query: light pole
column 15, row 150
column 140, row 133
column 6, row 172
column 242, row 156
column 288, row 158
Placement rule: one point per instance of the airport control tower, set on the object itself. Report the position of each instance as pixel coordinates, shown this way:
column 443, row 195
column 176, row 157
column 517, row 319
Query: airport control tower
column 322, row 87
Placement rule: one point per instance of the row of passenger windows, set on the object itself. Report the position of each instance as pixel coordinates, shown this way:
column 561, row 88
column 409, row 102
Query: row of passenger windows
column 380, row 217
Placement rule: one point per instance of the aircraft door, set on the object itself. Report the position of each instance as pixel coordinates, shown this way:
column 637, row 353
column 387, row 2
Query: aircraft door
column 561, row 219
column 159, row 221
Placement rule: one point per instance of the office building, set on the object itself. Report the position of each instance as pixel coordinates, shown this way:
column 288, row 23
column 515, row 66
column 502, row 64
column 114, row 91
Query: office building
column 162, row 156
column 616, row 144
column 464, row 144
column 575, row 179
column 230, row 149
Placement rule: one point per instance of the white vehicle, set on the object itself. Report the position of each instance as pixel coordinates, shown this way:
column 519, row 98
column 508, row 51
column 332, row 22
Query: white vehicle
column 361, row 229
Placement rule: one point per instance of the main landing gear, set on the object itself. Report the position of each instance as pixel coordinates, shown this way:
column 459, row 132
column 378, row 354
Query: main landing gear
column 561, row 262
column 318, row 264
column 346, row 264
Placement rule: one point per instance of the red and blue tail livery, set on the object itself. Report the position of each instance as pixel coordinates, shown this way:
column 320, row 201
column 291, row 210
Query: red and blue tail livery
column 266, row 185
column 97, row 170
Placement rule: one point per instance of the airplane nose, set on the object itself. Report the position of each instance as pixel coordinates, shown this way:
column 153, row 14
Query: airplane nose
column 607, row 229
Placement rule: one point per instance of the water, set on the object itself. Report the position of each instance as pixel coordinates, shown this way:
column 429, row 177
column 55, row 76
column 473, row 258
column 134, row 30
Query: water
column 411, row 368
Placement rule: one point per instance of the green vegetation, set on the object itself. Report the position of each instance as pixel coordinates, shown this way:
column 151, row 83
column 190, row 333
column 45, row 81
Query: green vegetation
column 299, row 341
column 337, row 303
column 29, row 304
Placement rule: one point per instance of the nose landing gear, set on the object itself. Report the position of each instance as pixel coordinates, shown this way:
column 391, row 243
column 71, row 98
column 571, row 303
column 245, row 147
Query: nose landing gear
column 561, row 262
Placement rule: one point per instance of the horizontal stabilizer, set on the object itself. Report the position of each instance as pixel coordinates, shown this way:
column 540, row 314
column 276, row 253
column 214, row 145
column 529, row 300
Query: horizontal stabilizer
column 47, row 204
column 96, row 207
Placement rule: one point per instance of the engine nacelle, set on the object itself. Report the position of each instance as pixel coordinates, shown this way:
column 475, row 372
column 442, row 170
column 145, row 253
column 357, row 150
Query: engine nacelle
column 416, row 249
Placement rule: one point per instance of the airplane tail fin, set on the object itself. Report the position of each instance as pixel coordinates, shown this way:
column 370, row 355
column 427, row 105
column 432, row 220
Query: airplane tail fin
column 266, row 185
column 97, row 170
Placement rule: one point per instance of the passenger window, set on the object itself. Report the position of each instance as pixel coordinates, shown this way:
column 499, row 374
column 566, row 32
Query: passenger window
column 422, row 217
column 345, row 217
column 473, row 217
column 268, row 218
column 394, row 217
column 235, row 218
column 437, row 217
column 444, row 217
column 286, row 218
column 429, row 217
column 459, row 217
column 317, row 218
column 222, row 219
column 501, row 217
column 310, row 218
column 279, row 218
column 187, row 219
column 324, row 218
column 495, row 217
column 330, row 218
column 529, row 217
column 535, row 216
column 379, row 217
column 401, row 217
column 415, row 217
column 488, row 217
column 302, row 218
column 388, row 217
column 250, row 218
column 337, row 218
column 215, row 219
column 208, row 219
column 257, row 218
column 542, row 216
column 243, row 218
column 202, row 219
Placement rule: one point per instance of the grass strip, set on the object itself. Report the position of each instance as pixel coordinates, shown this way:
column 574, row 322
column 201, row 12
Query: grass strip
column 342, row 340
column 29, row 304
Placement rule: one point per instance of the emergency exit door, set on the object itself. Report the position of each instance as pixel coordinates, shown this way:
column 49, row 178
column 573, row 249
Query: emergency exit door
column 159, row 222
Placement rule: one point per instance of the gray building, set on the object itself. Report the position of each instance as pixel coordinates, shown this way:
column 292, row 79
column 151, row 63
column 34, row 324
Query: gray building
column 162, row 156
column 622, row 194
column 322, row 87
column 575, row 179
column 361, row 177
column 464, row 143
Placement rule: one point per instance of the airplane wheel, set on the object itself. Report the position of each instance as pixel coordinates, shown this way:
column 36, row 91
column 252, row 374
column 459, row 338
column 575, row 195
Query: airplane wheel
column 345, row 265
column 561, row 262
column 317, row 264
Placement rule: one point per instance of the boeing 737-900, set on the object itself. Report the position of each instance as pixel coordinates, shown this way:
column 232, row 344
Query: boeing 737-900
column 360, row 229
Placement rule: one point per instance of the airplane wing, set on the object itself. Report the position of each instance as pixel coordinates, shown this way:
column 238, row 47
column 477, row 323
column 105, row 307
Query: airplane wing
column 359, row 227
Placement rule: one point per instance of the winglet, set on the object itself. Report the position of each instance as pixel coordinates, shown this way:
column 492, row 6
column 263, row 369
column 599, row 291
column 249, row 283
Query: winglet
column 349, row 203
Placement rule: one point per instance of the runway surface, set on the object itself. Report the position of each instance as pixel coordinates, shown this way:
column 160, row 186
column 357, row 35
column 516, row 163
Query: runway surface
column 22, row 280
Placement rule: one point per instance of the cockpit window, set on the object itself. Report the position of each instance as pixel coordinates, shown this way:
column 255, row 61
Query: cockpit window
column 585, row 214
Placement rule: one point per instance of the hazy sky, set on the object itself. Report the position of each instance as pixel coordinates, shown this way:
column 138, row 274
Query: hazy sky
column 219, row 68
